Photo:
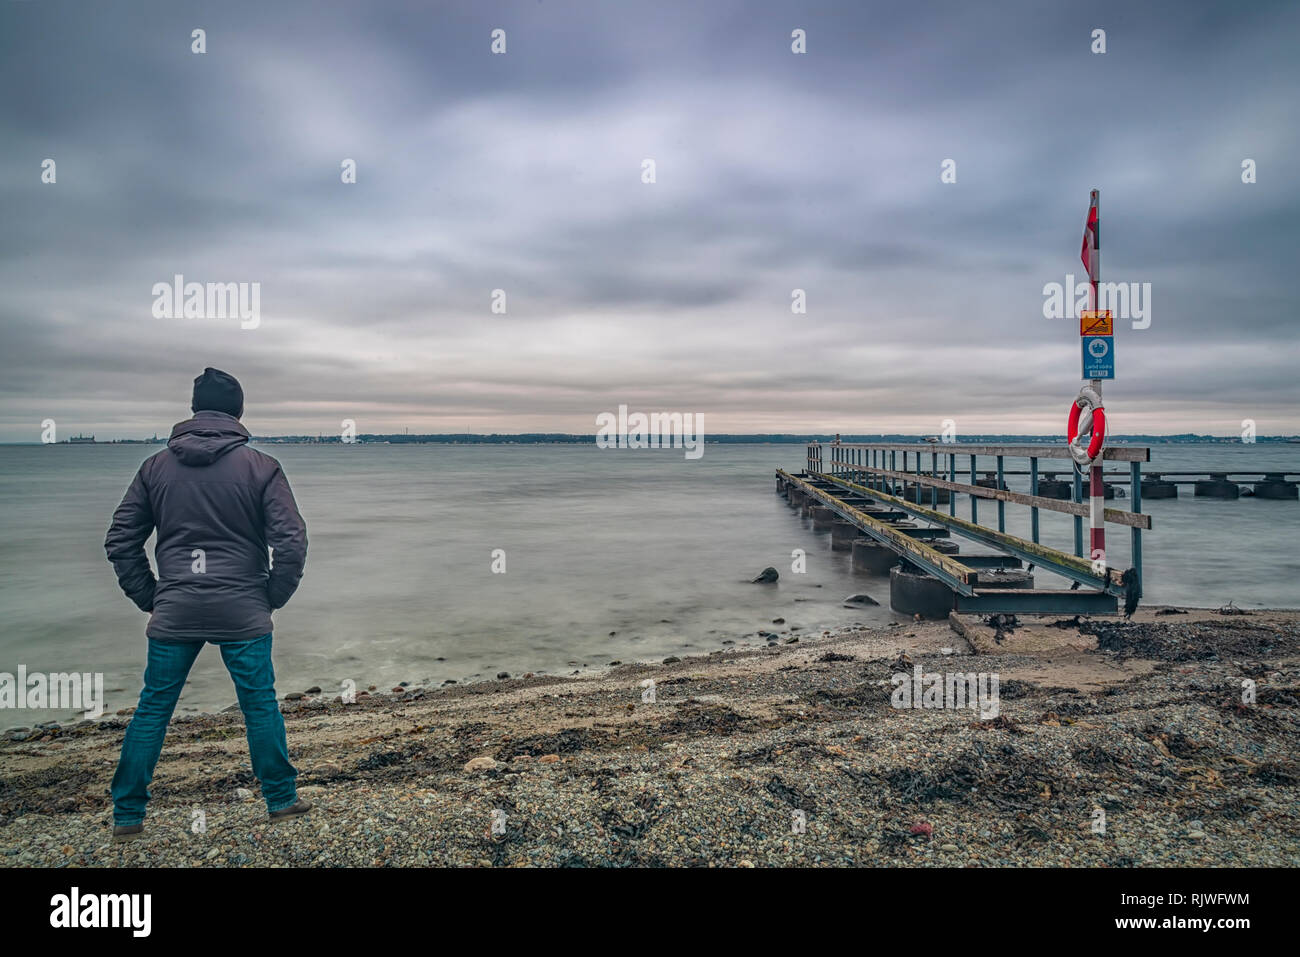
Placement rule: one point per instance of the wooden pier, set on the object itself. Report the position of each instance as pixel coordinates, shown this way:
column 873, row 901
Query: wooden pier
column 879, row 505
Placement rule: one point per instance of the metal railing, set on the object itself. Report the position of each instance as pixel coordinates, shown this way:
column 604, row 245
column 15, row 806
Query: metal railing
column 927, row 469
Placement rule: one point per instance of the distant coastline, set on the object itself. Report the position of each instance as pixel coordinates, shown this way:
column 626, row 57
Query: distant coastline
column 779, row 438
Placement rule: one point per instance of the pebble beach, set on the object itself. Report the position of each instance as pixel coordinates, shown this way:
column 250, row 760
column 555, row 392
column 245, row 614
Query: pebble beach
column 1117, row 743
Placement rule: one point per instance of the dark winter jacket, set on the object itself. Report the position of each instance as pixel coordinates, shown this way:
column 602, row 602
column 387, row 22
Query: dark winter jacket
column 217, row 506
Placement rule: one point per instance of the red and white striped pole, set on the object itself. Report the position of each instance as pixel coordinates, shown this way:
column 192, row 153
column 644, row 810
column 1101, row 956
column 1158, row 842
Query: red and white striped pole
column 1096, row 490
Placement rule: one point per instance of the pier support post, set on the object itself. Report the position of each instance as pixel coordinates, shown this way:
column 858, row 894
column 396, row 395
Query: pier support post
column 842, row 535
column 1217, row 486
column 1275, row 485
column 912, row 592
column 1049, row 486
column 872, row 557
column 1153, row 486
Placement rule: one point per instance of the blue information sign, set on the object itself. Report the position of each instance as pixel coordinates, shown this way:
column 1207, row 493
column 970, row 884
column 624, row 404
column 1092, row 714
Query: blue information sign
column 1098, row 357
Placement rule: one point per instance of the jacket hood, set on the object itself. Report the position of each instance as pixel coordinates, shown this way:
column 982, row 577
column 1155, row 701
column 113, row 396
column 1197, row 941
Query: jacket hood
column 206, row 437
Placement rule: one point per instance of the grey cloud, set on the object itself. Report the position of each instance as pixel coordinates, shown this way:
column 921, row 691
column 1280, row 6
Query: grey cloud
column 521, row 172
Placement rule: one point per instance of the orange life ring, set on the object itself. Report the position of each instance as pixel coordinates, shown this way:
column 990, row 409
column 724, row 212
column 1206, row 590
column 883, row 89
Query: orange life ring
column 1098, row 428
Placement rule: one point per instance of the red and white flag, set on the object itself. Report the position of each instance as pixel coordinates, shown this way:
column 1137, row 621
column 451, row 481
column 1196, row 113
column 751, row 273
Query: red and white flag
column 1091, row 240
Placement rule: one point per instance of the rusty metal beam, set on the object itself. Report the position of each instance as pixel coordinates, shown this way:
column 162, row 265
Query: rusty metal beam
column 1036, row 601
column 951, row 572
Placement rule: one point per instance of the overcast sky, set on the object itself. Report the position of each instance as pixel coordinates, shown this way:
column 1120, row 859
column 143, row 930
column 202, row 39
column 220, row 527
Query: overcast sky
column 523, row 172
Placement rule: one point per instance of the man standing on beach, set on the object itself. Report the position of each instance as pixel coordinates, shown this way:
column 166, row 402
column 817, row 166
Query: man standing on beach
column 217, row 506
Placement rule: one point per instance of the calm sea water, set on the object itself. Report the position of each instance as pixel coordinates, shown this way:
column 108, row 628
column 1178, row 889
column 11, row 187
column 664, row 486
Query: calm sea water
column 610, row 555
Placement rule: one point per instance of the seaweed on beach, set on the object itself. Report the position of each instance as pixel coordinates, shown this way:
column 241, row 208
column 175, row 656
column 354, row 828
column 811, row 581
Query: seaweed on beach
column 797, row 799
column 922, row 786
column 769, row 753
column 1000, row 723
column 1191, row 641
column 706, row 719
column 1275, row 773
column 1018, row 781
column 1036, row 834
column 565, row 741
column 1076, row 707
column 226, row 783
column 835, row 656
column 1002, row 625
column 1280, row 695
column 863, row 695
column 516, row 825
column 1013, row 688
column 625, row 825
column 470, row 730
column 1179, row 745
column 1231, row 809
column 627, row 830
column 381, row 759
column 45, row 791
column 1100, row 759
column 388, row 764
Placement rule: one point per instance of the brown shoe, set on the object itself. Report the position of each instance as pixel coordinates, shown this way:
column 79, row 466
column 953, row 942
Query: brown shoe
column 293, row 810
column 127, row 832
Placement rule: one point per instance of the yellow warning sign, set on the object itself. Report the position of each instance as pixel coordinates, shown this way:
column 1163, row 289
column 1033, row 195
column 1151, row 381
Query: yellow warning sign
column 1094, row 323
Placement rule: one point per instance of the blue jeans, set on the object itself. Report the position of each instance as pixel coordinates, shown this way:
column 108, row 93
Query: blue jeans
column 249, row 664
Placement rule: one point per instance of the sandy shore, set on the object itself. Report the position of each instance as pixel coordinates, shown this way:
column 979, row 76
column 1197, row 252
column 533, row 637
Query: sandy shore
column 788, row 754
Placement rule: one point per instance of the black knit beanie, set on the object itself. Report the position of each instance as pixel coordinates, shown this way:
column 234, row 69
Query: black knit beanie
column 218, row 391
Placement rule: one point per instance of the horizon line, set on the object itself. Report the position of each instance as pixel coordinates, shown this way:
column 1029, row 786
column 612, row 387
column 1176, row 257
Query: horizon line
column 787, row 437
